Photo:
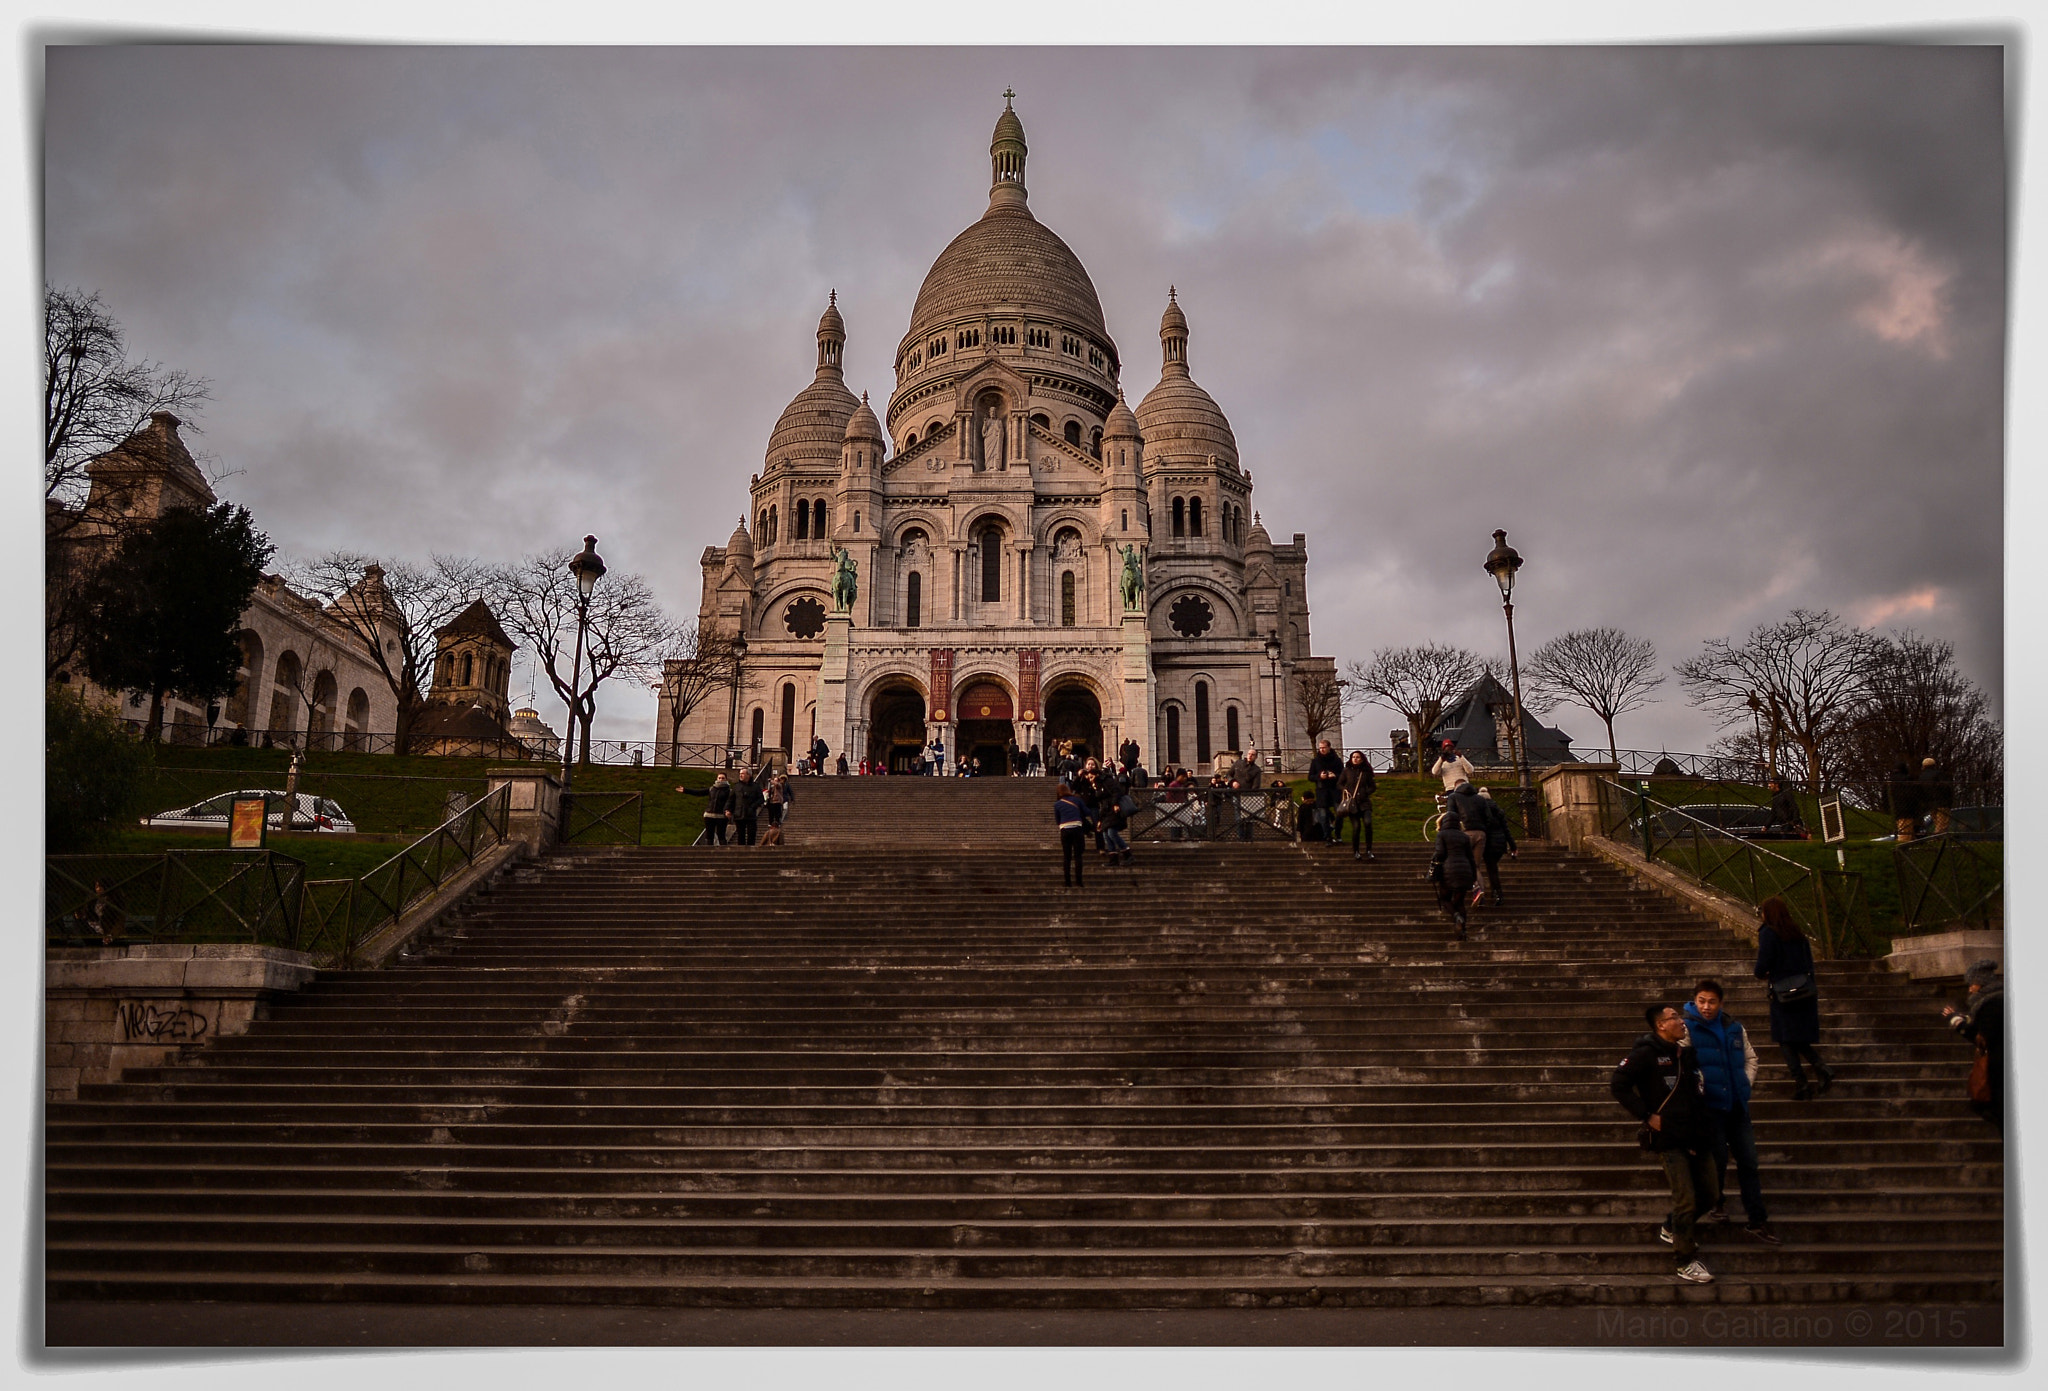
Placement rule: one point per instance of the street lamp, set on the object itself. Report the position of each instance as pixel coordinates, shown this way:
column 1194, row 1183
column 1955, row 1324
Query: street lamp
column 1502, row 562
column 732, row 720
column 1273, row 657
column 588, row 568
column 1756, row 729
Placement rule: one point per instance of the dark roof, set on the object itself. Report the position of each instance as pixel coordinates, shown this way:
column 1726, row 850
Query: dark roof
column 1469, row 721
column 476, row 621
column 440, row 721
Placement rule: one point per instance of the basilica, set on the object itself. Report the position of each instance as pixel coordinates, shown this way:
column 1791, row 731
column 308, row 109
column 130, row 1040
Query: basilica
column 1010, row 554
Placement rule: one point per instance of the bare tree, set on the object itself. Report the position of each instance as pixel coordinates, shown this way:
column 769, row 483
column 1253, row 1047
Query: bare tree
column 1603, row 670
column 627, row 634
column 697, row 663
column 1915, row 704
column 393, row 609
column 94, row 396
column 1414, row 682
column 1319, row 695
column 1807, row 672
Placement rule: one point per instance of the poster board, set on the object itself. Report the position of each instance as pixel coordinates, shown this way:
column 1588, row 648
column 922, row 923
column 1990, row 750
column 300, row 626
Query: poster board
column 248, row 827
column 1832, row 828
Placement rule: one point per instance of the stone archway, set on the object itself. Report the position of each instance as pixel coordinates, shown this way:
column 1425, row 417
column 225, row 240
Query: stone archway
column 896, row 727
column 1072, row 712
column 985, row 713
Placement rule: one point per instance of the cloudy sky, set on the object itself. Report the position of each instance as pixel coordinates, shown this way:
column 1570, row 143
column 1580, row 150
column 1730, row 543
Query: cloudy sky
column 1713, row 331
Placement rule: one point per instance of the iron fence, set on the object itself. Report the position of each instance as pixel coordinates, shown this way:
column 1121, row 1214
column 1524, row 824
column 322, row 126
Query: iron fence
column 601, row 818
column 173, row 896
column 1829, row 905
column 1947, row 883
column 1187, row 814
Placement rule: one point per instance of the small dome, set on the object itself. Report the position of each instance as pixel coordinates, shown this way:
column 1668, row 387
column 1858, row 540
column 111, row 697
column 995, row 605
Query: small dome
column 1181, row 421
column 1008, row 127
column 863, row 425
column 1256, row 539
column 1120, row 422
column 830, row 325
column 740, row 543
column 1173, row 321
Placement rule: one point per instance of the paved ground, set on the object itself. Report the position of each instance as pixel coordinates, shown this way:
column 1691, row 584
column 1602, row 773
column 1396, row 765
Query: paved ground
column 84, row 1326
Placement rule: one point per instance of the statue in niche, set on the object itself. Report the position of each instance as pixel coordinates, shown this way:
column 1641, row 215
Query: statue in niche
column 994, row 440
column 845, row 587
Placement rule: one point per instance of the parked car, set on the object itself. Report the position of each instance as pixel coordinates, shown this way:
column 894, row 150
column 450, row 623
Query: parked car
column 312, row 813
column 1736, row 818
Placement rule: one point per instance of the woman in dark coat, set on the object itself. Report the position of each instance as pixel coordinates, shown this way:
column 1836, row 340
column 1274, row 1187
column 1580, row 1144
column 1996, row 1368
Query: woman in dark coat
column 1782, row 953
column 1452, row 868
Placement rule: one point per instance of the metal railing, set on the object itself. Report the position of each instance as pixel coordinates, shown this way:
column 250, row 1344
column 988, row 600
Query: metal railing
column 1947, row 883
column 173, row 896
column 1829, row 905
column 1190, row 814
column 602, row 818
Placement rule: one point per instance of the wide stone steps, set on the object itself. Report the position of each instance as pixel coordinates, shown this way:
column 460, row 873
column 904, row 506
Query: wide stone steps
column 850, row 1075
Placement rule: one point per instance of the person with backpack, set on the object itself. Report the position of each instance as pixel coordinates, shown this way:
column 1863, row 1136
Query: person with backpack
column 1659, row 1083
column 1070, row 815
column 1450, row 866
column 1727, row 1070
column 1499, row 840
column 777, row 801
column 717, row 811
column 1983, row 1023
column 1784, row 962
column 1354, row 804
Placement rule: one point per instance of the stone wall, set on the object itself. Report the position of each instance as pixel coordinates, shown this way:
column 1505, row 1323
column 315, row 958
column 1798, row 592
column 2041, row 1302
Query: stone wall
column 109, row 1008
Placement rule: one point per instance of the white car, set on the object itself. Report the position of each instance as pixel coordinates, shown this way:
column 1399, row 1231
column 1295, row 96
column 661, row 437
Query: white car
column 313, row 813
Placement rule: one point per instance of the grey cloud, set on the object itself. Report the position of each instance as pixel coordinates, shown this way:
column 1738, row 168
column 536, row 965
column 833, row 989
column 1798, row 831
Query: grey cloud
column 1713, row 331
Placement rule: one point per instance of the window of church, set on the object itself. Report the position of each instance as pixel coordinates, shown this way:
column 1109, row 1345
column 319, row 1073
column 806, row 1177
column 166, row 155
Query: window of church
column 1191, row 615
column 1230, row 727
column 1194, row 516
column 1038, row 337
column 820, row 525
column 910, row 440
column 803, row 519
column 856, row 524
column 1203, row 752
column 1042, row 421
column 1095, row 357
column 991, row 566
column 465, row 670
column 804, row 618
column 1127, row 519
column 1173, row 734
column 1180, row 517
column 1067, row 599
column 1070, row 346
column 913, row 601
column 1095, row 443
column 1073, row 432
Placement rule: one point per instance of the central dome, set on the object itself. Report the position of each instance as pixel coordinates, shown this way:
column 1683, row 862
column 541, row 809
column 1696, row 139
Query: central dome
column 1012, row 259
column 1007, row 261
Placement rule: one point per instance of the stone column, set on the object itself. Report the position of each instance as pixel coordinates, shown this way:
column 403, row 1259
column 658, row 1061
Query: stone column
column 1024, row 582
column 536, row 806
column 1571, row 799
column 1140, row 695
column 832, row 727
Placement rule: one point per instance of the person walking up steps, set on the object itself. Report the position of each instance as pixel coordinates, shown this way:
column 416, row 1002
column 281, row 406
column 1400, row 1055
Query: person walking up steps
column 1451, row 868
column 1659, row 1084
column 1354, row 803
column 1784, row 962
column 1499, row 841
column 1071, row 817
column 1727, row 1069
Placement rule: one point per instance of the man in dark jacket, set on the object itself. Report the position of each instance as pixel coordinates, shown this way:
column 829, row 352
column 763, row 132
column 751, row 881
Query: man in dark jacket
column 1500, row 840
column 1785, row 813
column 1450, row 866
column 1727, row 1071
column 1325, row 770
column 746, row 808
column 1983, row 1023
column 1659, row 1084
column 718, row 811
column 1937, row 794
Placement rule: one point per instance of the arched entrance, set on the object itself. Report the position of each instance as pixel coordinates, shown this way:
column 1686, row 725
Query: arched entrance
column 1072, row 712
column 986, row 732
column 896, row 728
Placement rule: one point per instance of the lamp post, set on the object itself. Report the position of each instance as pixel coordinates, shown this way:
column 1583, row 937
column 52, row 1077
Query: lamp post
column 1756, row 729
column 588, row 569
column 1273, row 657
column 1502, row 562
column 732, row 719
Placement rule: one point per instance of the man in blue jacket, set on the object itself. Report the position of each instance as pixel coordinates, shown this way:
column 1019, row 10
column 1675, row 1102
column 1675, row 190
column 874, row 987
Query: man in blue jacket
column 1727, row 1068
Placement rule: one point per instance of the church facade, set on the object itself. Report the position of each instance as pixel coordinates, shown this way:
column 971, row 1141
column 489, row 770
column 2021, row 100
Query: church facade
column 1031, row 560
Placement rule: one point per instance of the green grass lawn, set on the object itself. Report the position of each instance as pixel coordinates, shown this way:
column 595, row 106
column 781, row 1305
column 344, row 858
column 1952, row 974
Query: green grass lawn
column 325, row 857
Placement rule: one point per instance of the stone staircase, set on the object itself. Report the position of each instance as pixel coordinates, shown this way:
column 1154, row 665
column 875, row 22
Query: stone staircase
column 931, row 1077
column 911, row 811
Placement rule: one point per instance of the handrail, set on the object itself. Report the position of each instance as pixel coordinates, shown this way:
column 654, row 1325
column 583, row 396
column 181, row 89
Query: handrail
column 1946, row 882
column 1209, row 814
column 172, row 896
column 1829, row 905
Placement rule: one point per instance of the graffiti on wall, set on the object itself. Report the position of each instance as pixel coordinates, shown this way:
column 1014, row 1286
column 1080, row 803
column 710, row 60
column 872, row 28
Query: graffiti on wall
column 147, row 1023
